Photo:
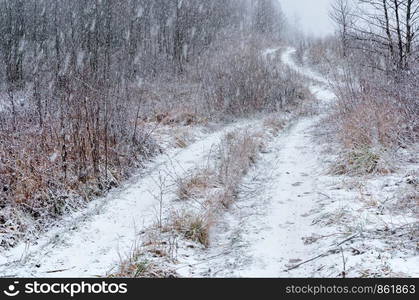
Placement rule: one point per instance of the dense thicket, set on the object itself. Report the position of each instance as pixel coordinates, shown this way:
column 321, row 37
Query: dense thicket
column 118, row 40
column 378, row 42
column 374, row 61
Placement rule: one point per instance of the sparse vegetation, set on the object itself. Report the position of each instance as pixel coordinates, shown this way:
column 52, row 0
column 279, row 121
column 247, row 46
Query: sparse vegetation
column 195, row 184
column 215, row 187
column 195, row 125
column 275, row 124
column 193, row 226
column 141, row 269
column 376, row 90
column 361, row 161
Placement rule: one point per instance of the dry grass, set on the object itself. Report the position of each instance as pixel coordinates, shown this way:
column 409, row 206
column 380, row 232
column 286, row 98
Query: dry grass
column 193, row 226
column 195, row 184
column 43, row 177
column 369, row 123
column 183, row 137
column 205, row 193
column 237, row 153
column 138, row 268
column 240, row 81
column 180, row 117
column 275, row 124
column 215, row 186
column 369, row 133
column 360, row 162
column 408, row 195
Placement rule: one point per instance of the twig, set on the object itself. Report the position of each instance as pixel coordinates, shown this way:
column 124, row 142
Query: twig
column 307, row 261
column 344, row 263
column 331, row 251
column 205, row 260
column 58, row 271
column 348, row 239
column 327, row 196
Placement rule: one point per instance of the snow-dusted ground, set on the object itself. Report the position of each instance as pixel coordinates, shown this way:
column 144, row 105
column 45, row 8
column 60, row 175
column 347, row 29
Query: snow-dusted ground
column 294, row 220
column 90, row 243
column 291, row 218
column 263, row 233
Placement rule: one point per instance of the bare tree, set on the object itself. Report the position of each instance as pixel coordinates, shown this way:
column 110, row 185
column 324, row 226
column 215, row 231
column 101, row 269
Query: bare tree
column 389, row 26
column 341, row 13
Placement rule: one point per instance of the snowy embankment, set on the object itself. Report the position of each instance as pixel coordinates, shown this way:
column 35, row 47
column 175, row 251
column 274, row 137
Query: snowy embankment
column 91, row 242
column 292, row 219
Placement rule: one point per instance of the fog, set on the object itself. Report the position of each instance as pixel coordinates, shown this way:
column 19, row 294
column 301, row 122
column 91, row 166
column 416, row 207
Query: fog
column 310, row 15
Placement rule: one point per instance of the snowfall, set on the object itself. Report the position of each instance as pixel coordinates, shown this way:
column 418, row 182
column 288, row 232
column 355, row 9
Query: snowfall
column 291, row 219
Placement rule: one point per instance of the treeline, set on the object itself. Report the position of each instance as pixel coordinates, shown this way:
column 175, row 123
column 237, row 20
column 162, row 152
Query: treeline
column 118, row 40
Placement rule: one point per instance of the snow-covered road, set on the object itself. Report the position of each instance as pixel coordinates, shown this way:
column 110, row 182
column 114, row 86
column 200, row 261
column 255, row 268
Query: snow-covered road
column 293, row 219
column 291, row 197
column 90, row 243
column 263, row 235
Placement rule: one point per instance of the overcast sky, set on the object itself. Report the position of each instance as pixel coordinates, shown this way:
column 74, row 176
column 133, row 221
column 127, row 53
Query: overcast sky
column 312, row 15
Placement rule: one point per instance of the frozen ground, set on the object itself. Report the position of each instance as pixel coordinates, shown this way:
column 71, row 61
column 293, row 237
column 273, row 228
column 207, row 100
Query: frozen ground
column 294, row 220
column 291, row 218
column 90, row 243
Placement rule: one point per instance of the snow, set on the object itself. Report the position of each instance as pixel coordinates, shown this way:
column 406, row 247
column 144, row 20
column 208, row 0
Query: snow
column 90, row 243
column 290, row 199
column 294, row 213
column 288, row 60
column 270, row 51
column 290, row 213
column 272, row 223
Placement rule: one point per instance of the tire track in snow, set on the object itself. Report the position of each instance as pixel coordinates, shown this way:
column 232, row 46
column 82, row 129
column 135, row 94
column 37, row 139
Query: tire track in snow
column 90, row 242
column 263, row 235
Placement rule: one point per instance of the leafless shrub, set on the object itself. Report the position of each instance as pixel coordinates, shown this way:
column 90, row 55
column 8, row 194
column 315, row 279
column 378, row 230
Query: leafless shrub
column 275, row 124
column 51, row 169
column 369, row 122
column 240, row 80
column 237, row 153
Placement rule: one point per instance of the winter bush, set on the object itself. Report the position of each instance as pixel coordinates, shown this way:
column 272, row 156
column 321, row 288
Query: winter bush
column 374, row 78
column 240, row 80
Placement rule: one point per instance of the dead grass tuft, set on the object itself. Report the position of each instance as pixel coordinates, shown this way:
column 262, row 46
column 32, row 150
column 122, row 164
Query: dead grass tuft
column 138, row 268
column 360, row 162
column 217, row 186
column 275, row 124
column 193, row 226
column 237, row 153
column 195, row 184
